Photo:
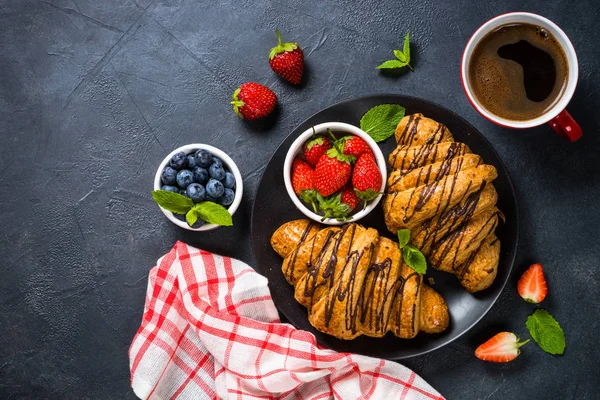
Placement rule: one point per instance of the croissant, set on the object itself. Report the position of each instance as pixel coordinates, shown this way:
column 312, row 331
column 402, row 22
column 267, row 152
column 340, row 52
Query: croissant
column 444, row 193
column 353, row 282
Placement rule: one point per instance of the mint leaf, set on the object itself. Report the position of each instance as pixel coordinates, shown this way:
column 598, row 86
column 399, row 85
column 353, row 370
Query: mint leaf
column 391, row 64
column 414, row 259
column 411, row 255
column 403, row 237
column 173, row 202
column 546, row 332
column 212, row 213
column 406, row 48
column 381, row 121
column 191, row 217
column 400, row 55
column 403, row 57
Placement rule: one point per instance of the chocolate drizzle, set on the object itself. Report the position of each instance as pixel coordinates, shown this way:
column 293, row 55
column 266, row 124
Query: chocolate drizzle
column 311, row 282
column 378, row 292
column 341, row 289
column 417, row 278
column 464, row 267
column 419, row 156
column 451, row 219
column 330, row 280
column 456, row 240
column 322, row 271
column 290, row 270
column 437, row 192
column 410, row 130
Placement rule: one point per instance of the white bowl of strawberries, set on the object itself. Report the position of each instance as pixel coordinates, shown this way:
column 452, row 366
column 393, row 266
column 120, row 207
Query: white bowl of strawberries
column 335, row 173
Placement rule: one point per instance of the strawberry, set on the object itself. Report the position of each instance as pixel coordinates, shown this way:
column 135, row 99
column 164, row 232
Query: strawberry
column 503, row 347
column 253, row 101
column 315, row 148
column 349, row 197
column 340, row 205
column 332, row 172
column 302, row 176
column 366, row 178
column 302, row 182
column 532, row 285
column 287, row 60
column 355, row 146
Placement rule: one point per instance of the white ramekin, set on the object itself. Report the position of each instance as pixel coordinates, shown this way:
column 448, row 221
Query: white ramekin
column 296, row 150
column 227, row 161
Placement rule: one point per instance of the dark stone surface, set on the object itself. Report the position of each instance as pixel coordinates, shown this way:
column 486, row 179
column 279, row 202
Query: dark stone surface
column 93, row 94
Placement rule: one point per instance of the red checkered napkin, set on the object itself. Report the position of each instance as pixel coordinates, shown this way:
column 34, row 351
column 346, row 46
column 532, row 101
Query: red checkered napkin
column 210, row 330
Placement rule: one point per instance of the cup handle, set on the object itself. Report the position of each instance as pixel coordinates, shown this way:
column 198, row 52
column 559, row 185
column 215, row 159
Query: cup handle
column 566, row 126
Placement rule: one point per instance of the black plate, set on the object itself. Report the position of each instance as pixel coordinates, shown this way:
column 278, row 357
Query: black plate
column 273, row 207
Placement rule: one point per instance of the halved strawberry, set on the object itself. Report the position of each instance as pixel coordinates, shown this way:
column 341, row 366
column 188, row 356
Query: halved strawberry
column 532, row 285
column 503, row 347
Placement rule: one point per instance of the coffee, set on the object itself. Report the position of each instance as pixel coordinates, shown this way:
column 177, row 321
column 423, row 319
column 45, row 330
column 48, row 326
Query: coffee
column 518, row 71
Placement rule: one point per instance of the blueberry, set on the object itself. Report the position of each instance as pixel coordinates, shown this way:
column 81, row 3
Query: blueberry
column 180, row 217
column 229, row 181
column 196, row 192
column 227, row 197
column 183, row 192
column 178, row 160
column 200, row 175
column 203, row 158
column 215, row 188
column 190, row 161
column 218, row 161
column 184, row 178
column 199, row 222
column 170, row 188
column 168, row 176
column 216, row 172
column 210, row 198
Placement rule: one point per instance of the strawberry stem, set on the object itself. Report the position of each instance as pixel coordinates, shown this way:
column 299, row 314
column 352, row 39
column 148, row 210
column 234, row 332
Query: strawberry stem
column 237, row 103
column 309, row 196
column 332, row 135
column 281, row 47
column 523, row 343
column 337, row 149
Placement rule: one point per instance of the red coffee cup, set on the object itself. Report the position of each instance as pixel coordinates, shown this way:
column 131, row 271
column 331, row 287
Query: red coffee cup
column 558, row 117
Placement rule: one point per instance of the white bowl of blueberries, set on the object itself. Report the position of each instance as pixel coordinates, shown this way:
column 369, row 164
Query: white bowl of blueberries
column 202, row 173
